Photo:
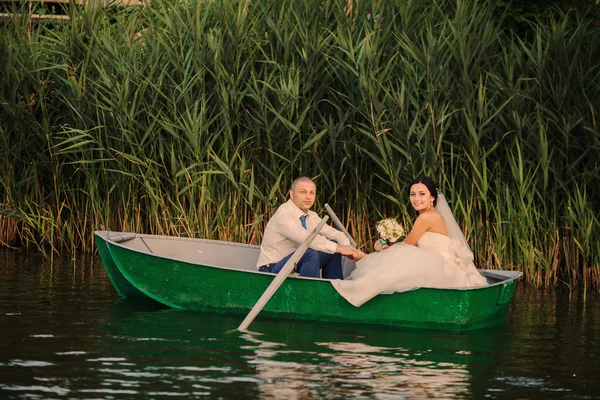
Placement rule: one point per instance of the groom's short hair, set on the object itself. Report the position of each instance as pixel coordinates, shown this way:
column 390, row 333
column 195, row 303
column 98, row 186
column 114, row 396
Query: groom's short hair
column 301, row 179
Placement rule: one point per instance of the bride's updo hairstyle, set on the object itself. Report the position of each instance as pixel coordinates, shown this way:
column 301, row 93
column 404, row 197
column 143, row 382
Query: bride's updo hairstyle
column 427, row 181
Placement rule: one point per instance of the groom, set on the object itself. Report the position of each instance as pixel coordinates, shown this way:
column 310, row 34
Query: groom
column 290, row 226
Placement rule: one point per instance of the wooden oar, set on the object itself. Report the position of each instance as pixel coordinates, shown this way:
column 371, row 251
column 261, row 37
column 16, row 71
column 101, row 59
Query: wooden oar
column 338, row 224
column 283, row 273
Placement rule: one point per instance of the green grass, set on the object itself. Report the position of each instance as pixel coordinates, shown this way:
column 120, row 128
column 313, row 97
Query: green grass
column 192, row 118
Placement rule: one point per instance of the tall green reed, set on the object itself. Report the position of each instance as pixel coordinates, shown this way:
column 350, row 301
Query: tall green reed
column 192, row 118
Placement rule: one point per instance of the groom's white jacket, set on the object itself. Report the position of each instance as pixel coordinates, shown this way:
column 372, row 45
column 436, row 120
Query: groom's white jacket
column 284, row 234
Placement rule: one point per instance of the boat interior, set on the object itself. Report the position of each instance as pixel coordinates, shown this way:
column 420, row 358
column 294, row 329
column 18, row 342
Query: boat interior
column 221, row 254
column 213, row 253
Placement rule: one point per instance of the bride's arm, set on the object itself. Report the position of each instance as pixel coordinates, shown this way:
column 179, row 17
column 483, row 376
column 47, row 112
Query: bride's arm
column 422, row 225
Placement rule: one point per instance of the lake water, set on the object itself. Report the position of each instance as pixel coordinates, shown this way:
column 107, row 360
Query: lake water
column 65, row 334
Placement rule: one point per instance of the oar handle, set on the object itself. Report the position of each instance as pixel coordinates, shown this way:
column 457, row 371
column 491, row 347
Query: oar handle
column 283, row 273
column 339, row 224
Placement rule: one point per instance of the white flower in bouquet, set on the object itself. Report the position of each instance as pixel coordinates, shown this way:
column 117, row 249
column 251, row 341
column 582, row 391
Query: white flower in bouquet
column 390, row 230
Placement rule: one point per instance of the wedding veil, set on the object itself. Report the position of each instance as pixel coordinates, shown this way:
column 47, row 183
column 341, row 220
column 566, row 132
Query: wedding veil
column 463, row 250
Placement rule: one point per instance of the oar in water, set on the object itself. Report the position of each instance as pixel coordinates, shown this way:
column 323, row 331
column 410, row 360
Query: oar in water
column 283, row 273
column 338, row 224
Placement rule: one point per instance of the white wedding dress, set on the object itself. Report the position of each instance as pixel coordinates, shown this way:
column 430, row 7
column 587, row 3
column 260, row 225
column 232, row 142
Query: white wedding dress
column 437, row 261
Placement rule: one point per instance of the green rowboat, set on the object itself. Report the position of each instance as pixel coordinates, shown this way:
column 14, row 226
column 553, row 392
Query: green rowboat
column 218, row 276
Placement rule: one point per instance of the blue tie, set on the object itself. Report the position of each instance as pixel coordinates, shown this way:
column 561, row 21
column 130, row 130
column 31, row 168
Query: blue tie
column 303, row 220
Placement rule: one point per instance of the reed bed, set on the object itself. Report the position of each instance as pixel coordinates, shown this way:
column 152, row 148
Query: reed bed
column 192, row 118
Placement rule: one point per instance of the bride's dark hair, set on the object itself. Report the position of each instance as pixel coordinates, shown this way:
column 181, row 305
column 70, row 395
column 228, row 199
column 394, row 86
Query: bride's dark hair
column 427, row 181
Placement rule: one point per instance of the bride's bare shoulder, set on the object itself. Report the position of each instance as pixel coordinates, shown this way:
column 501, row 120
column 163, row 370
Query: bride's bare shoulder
column 431, row 221
column 430, row 216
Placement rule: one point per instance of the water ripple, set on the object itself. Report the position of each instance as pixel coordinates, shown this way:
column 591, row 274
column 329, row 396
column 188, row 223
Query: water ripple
column 36, row 388
column 126, row 372
column 110, row 391
column 104, row 348
column 171, row 394
column 29, row 363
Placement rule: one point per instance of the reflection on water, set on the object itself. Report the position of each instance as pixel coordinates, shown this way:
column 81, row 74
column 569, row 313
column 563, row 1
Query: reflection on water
column 64, row 333
column 357, row 369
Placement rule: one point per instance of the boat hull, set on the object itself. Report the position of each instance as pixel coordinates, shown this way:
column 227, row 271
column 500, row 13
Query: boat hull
column 191, row 286
column 123, row 287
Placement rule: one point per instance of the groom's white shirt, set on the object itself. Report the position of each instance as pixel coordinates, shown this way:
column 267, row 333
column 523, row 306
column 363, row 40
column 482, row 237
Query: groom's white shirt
column 284, row 234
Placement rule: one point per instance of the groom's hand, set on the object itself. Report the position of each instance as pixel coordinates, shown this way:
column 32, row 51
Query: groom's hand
column 358, row 255
column 351, row 252
column 345, row 249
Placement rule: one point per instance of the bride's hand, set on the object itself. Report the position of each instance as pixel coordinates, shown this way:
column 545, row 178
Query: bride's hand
column 379, row 247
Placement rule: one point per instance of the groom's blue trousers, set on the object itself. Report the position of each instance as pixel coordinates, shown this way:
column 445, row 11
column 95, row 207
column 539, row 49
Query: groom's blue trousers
column 312, row 263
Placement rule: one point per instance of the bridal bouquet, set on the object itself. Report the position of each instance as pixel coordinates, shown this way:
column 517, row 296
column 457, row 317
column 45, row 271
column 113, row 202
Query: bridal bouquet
column 390, row 231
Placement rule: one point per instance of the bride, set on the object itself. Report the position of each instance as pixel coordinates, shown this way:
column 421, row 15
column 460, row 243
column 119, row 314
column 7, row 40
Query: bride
column 434, row 254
